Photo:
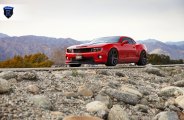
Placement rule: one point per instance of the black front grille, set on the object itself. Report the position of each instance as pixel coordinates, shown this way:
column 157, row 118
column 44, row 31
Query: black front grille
column 83, row 50
column 83, row 60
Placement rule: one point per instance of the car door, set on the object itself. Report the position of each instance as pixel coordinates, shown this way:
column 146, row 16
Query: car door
column 123, row 49
column 132, row 50
column 128, row 51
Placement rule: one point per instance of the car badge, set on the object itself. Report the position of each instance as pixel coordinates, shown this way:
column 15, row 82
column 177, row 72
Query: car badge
column 8, row 11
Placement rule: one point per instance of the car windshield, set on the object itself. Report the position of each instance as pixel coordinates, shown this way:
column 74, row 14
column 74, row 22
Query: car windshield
column 112, row 39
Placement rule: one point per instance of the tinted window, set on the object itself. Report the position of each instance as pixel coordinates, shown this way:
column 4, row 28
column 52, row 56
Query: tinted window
column 112, row 39
column 130, row 41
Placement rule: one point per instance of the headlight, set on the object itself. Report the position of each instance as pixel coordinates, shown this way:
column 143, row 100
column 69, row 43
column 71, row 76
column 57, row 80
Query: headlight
column 69, row 50
column 96, row 49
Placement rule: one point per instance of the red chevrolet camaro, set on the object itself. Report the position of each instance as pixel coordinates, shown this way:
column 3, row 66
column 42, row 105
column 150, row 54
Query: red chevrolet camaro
column 107, row 50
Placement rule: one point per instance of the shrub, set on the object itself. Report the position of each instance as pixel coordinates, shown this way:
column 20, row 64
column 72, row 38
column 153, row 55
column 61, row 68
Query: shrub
column 28, row 61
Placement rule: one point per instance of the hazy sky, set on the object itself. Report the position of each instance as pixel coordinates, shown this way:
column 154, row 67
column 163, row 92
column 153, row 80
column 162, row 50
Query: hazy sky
column 88, row 19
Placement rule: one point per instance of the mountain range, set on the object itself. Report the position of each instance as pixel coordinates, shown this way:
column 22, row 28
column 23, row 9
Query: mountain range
column 30, row 44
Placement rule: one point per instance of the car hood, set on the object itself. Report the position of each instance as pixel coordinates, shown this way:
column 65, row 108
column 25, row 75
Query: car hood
column 88, row 45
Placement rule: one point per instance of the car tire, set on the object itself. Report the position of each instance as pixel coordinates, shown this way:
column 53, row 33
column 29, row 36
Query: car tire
column 75, row 65
column 142, row 59
column 112, row 59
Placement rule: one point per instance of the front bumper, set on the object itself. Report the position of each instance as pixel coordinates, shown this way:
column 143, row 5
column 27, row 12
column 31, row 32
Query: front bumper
column 86, row 58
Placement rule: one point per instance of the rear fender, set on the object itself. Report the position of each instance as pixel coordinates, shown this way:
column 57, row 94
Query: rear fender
column 140, row 48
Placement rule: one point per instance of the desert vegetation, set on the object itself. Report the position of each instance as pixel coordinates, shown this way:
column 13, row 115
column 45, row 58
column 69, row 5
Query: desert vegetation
column 157, row 59
column 27, row 61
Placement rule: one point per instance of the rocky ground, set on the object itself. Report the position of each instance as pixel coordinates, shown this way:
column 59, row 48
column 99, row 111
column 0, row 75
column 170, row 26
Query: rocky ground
column 116, row 94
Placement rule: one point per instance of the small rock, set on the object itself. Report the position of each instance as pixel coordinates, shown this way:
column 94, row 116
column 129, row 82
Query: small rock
column 131, row 90
column 117, row 113
column 57, row 115
column 12, row 81
column 181, row 115
column 33, row 89
column 81, row 118
column 126, row 97
column 119, row 74
column 144, row 90
column 82, row 90
column 167, row 115
column 105, row 99
column 171, row 91
column 180, row 101
column 71, row 94
column 8, row 75
column 96, row 106
column 170, row 101
column 114, row 84
column 104, row 72
column 179, row 83
column 153, row 98
column 174, row 108
column 159, row 105
column 95, row 87
column 4, row 86
column 28, row 76
column 41, row 101
column 141, row 108
column 144, row 101
column 102, row 114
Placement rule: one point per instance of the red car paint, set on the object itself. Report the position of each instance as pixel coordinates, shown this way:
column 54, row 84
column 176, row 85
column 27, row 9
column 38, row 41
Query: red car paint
column 127, row 53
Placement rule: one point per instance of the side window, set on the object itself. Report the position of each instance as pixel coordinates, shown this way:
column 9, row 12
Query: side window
column 130, row 41
column 125, row 39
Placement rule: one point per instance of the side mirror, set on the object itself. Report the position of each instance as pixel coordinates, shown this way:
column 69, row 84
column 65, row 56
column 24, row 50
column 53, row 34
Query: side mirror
column 124, row 42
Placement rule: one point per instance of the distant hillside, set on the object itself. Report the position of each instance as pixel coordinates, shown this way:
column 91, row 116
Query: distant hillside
column 174, row 49
column 30, row 44
column 3, row 35
column 10, row 46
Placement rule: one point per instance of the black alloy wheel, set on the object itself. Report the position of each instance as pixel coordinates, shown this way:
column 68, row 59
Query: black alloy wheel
column 112, row 57
column 142, row 59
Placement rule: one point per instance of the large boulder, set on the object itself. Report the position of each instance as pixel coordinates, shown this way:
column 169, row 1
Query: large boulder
column 73, row 117
column 154, row 70
column 117, row 113
column 41, row 101
column 180, row 101
column 28, row 76
column 96, row 106
column 124, row 96
column 4, row 86
column 171, row 91
column 8, row 75
column 167, row 115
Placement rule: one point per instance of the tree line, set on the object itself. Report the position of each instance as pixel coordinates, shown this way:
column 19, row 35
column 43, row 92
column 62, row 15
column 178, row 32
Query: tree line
column 160, row 59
